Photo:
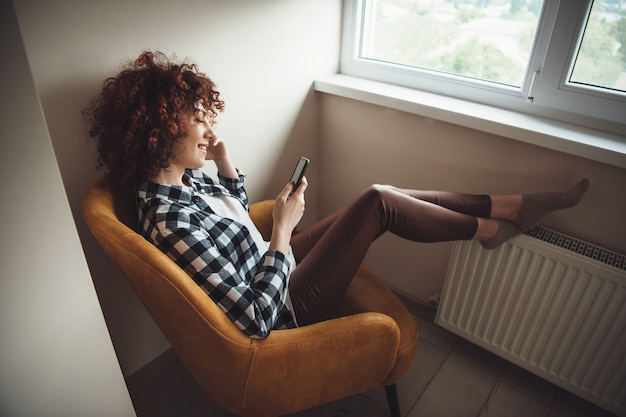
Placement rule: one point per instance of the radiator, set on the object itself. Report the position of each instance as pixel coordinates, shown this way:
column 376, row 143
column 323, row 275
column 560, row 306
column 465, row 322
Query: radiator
column 549, row 303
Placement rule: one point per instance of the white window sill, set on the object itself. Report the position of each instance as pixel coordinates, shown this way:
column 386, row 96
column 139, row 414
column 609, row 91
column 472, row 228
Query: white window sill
column 587, row 143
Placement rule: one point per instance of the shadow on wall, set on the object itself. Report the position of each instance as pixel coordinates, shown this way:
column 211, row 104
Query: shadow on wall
column 77, row 158
column 302, row 141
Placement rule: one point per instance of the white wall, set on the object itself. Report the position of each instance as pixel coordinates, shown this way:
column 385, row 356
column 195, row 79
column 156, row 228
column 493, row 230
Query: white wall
column 56, row 357
column 390, row 146
column 263, row 55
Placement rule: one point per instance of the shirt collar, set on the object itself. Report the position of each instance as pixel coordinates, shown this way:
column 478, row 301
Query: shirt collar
column 180, row 193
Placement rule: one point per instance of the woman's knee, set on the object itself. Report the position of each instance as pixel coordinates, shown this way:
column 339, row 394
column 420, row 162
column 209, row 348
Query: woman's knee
column 376, row 195
column 378, row 190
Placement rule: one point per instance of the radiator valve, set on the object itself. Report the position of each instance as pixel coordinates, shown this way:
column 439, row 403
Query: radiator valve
column 433, row 302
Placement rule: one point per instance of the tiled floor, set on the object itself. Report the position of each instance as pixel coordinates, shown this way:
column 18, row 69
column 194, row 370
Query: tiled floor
column 449, row 377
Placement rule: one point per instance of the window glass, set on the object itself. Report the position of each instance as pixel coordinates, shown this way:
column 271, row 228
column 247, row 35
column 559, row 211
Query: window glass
column 483, row 39
column 555, row 59
column 601, row 58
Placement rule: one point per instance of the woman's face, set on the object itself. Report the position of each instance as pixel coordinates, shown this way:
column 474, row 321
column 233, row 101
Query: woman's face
column 190, row 151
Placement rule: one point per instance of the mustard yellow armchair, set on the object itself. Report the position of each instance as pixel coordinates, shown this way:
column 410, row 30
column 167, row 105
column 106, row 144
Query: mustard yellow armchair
column 370, row 343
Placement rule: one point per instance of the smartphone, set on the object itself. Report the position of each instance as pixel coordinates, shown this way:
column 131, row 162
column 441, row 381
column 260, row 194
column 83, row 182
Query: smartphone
column 298, row 173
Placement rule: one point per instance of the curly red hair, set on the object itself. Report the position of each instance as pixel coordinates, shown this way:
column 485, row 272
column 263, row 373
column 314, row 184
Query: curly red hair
column 140, row 114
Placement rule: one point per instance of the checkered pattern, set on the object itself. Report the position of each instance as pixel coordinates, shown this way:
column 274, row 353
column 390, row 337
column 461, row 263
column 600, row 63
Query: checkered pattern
column 217, row 252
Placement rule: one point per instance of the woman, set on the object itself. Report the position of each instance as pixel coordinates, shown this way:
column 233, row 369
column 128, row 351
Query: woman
column 154, row 126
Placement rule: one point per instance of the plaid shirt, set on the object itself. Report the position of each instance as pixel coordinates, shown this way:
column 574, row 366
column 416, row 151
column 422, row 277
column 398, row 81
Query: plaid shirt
column 217, row 252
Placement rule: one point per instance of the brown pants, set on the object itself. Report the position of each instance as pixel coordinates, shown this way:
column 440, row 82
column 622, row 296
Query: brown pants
column 330, row 251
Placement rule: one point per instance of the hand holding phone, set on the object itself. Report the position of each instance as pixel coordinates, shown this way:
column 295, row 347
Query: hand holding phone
column 298, row 173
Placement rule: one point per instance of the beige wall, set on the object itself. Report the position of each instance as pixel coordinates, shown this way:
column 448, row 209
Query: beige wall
column 264, row 56
column 55, row 352
column 363, row 143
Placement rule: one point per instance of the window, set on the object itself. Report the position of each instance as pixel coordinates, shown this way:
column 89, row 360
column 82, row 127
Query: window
column 601, row 58
column 564, row 60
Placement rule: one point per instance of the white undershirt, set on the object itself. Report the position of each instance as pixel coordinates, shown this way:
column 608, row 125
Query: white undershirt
column 231, row 208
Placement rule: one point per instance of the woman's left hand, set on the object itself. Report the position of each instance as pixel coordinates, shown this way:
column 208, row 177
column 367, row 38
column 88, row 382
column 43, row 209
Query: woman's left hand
column 218, row 152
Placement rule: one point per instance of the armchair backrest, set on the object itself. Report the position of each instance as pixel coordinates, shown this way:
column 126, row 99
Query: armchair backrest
column 205, row 339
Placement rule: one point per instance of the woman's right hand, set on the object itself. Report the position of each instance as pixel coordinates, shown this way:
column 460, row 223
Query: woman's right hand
column 288, row 211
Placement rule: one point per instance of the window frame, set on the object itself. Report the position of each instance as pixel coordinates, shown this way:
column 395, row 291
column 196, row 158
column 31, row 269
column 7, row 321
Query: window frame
column 560, row 29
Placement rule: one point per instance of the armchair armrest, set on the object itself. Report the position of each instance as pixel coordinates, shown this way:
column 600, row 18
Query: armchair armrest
column 261, row 214
column 336, row 358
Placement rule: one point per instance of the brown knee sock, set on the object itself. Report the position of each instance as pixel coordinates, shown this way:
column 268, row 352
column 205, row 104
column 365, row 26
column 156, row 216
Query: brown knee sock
column 537, row 205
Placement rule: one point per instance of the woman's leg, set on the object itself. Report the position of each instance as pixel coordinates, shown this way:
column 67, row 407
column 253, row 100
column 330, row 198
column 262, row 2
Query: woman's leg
column 483, row 207
column 477, row 205
column 524, row 210
column 474, row 205
column 342, row 239
column 515, row 212
column 330, row 252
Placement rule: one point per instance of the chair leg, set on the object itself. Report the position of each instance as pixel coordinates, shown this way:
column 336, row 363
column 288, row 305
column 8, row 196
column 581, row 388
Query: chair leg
column 392, row 399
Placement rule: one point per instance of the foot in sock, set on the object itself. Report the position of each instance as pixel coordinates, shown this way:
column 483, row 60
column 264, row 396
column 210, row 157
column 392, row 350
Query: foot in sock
column 506, row 230
column 537, row 205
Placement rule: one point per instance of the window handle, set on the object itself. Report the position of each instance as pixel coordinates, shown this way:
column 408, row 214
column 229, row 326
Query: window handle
column 533, row 86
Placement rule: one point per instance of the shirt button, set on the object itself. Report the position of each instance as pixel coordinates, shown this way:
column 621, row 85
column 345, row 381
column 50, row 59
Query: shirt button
column 195, row 199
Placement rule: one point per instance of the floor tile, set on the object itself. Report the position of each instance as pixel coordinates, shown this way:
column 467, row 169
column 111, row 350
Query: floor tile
column 205, row 408
column 364, row 405
column 436, row 335
column 472, row 363
column 449, row 397
column 506, row 401
column 325, row 410
column 529, row 383
column 567, row 404
column 427, row 362
column 175, row 393
column 462, row 386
